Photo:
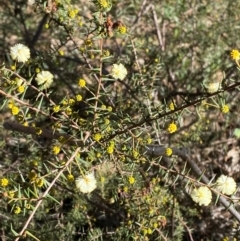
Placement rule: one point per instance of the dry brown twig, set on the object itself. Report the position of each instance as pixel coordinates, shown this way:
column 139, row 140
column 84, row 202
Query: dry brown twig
column 156, row 150
column 45, row 193
column 160, row 37
column 45, row 133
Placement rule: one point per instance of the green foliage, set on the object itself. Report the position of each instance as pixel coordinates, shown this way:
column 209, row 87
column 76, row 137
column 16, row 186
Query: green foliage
column 107, row 123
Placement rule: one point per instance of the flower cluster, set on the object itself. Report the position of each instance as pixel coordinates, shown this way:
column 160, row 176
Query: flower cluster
column 20, row 53
column 202, row 196
column 172, row 128
column 171, row 106
column 212, row 86
column 56, row 108
column 103, row 5
column 168, row 151
column 81, row 82
column 131, row 179
column 72, row 13
column 39, row 182
column 78, row 97
column 56, row 150
column 97, row 137
column 87, row 183
column 44, row 79
column 70, row 177
column 20, row 89
column 4, row 182
column 17, row 210
column 225, row 109
column 122, row 29
column 226, row 185
column 15, row 110
column 235, row 54
column 119, row 71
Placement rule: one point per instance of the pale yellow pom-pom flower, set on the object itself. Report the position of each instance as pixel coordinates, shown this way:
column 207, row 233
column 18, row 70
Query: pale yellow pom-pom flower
column 226, row 185
column 118, row 71
column 20, row 53
column 44, row 79
column 202, row 196
column 87, row 183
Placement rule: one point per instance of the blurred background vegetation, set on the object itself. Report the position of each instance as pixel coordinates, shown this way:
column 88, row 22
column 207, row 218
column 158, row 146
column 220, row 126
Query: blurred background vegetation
column 170, row 50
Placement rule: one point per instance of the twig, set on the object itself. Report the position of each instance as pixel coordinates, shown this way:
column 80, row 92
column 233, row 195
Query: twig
column 169, row 113
column 140, row 13
column 159, row 36
column 143, row 9
column 45, row 193
column 188, row 230
column 100, row 76
column 161, row 234
column 46, row 133
column 39, row 31
column 155, row 150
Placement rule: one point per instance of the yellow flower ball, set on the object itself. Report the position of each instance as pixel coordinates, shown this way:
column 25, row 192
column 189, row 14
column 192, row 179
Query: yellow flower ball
column 39, row 182
column 171, row 106
column 131, row 180
column 104, row 4
column 15, row 110
column 70, row 177
column 68, row 111
column 56, row 108
column 4, row 182
column 235, row 54
column 78, row 97
column 225, row 109
column 20, row 89
column 122, row 30
column 103, row 107
column 17, row 210
column 135, row 153
column 82, row 83
column 71, row 101
column 38, row 131
column 172, row 128
column 97, row 137
column 11, row 194
column 109, row 108
column 110, row 149
column 168, row 151
column 56, row 150
column 88, row 42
